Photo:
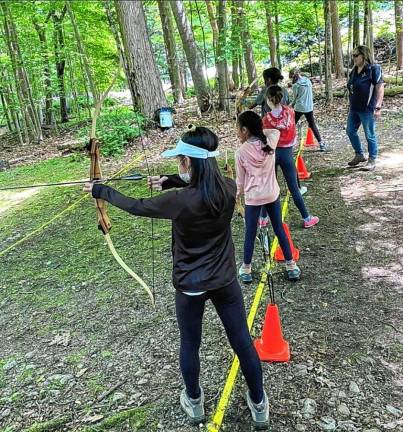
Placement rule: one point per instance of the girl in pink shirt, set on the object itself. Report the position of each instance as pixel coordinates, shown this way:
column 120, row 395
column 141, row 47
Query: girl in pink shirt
column 256, row 181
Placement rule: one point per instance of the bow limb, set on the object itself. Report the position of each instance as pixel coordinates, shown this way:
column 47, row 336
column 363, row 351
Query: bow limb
column 104, row 223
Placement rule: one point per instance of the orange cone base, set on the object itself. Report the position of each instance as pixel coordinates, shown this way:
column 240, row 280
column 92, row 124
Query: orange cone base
column 303, row 173
column 309, row 141
column 282, row 355
column 279, row 256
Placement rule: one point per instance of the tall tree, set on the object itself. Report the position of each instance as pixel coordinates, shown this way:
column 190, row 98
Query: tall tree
column 276, row 20
column 144, row 79
column 336, row 39
column 221, row 57
column 171, row 51
column 41, row 31
column 60, row 58
column 315, row 5
column 356, row 23
column 247, row 44
column 368, row 37
column 30, row 115
column 270, row 34
column 235, row 43
column 192, row 54
column 328, row 51
column 399, row 33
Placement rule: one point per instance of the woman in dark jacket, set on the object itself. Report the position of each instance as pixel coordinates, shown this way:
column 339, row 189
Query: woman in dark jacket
column 204, row 265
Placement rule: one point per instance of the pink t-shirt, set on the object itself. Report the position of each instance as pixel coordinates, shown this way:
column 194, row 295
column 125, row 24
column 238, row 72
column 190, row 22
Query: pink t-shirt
column 255, row 170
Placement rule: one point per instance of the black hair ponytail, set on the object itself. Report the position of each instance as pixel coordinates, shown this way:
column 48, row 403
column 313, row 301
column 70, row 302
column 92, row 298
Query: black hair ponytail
column 206, row 174
column 251, row 121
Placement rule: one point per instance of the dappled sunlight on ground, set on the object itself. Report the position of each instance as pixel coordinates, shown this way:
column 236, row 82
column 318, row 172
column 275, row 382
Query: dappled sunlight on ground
column 10, row 199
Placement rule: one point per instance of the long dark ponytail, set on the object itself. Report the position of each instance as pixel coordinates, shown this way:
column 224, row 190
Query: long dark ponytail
column 251, row 121
column 206, row 174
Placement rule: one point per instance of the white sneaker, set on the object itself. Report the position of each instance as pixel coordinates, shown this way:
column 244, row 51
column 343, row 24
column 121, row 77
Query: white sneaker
column 194, row 408
column 303, row 190
column 259, row 412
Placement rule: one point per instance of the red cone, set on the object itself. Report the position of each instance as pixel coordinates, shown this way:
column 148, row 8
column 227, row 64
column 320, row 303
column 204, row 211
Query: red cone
column 278, row 254
column 309, row 141
column 272, row 346
column 303, row 173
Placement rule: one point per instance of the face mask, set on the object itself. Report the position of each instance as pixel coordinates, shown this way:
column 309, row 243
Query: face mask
column 185, row 177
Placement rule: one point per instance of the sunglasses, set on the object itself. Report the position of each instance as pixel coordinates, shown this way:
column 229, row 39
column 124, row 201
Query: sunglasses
column 356, row 55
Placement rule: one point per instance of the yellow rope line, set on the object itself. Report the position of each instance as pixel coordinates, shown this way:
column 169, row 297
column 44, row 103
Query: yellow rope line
column 59, row 215
column 218, row 416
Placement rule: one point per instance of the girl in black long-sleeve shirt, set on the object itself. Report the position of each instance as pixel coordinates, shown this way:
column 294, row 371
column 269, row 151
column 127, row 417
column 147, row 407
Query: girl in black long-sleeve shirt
column 203, row 261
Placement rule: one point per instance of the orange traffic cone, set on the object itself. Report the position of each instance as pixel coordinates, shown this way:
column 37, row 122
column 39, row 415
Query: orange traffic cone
column 278, row 254
column 303, row 173
column 272, row 346
column 309, row 141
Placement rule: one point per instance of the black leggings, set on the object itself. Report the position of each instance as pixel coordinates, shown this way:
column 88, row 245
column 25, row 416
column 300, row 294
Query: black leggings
column 311, row 123
column 229, row 305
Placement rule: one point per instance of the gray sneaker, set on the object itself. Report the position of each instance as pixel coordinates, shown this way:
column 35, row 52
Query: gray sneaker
column 260, row 412
column 358, row 158
column 370, row 165
column 194, row 408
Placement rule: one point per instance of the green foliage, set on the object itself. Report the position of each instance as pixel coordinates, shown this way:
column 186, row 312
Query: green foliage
column 116, row 127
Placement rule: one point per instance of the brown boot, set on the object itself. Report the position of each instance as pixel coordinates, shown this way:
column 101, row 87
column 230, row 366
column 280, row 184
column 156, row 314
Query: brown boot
column 358, row 158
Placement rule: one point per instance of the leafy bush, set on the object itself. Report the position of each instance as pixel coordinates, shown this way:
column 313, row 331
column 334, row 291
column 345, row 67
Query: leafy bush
column 116, row 127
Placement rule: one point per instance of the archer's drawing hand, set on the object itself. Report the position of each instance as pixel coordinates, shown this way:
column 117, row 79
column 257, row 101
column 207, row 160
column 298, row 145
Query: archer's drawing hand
column 155, row 182
column 88, row 187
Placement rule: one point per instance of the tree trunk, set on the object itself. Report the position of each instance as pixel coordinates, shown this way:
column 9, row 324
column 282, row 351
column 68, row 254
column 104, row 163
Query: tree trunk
column 82, row 52
column 356, row 23
column 370, row 41
column 171, row 52
column 22, row 82
column 315, row 5
column 350, row 29
column 192, row 55
column 5, row 111
column 247, row 45
column 276, row 20
column 144, row 78
column 328, row 52
column 41, row 30
column 399, row 33
column 270, row 34
column 336, row 38
column 58, row 42
column 235, row 43
column 214, row 26
column 221, row 60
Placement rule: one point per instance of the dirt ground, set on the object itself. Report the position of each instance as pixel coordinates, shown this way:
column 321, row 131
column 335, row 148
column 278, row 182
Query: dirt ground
column 343, row 320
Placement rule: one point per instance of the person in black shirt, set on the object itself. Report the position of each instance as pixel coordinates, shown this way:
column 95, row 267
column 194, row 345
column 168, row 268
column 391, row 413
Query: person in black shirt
column 365, row 88
column 204, row 265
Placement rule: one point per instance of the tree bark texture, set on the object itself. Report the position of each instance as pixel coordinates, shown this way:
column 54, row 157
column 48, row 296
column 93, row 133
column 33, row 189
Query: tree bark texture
column 235, row 43
column 399, row 33
column 336, row 39
column 171, row 51
column 247, row 46
column 356, row 23
column 192, row 55
column 270, row 34
column 328, row 52
column 221, row 58
column 144, row 79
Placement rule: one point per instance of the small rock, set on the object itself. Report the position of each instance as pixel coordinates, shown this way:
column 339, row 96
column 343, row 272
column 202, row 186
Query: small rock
column 300, row 427
column 347, row 426
column 140, row 372
column 62, row 379
column 354, row 387
column 327, row 423
column 309, row 408
column 118, row 396
column 394, row 411
column 371, row 430
column 301, row 370
column 143, row 381
column 343, row 410
column 29, row 355
column 342, row 394
column 332, row 401
column 5, row 413
column 10, row 364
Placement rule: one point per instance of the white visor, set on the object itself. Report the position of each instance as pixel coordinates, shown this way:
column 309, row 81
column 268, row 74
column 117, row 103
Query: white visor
column 185, row 149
